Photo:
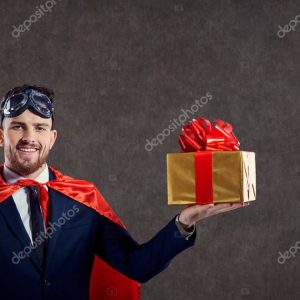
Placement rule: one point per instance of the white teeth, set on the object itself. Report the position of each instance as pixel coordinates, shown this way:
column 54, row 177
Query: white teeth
column 28, row 149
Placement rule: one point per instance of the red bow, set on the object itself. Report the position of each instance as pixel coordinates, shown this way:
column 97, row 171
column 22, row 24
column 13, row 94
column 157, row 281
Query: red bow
column 202, row 135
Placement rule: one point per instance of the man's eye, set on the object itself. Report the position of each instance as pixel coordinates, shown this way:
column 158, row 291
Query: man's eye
column 16, row 127
column 41, row 128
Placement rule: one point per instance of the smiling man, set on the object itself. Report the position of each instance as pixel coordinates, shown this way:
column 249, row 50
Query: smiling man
column 24, row 155
column 57, row 231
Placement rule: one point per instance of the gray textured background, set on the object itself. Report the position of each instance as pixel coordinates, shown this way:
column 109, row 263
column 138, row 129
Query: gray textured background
column 124, row 69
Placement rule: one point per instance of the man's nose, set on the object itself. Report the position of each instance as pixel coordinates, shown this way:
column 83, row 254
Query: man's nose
column 28, row 135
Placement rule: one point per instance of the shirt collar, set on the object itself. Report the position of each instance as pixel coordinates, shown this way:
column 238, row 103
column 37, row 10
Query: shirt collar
column 12, row 177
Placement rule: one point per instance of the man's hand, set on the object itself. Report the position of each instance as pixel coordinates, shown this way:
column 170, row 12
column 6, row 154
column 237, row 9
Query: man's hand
column 195, row 212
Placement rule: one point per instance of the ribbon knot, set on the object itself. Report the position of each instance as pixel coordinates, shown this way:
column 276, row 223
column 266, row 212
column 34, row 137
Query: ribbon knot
column 203, row 135
column 43, row 196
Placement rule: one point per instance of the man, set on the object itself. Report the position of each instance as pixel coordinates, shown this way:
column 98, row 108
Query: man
column 39, row 263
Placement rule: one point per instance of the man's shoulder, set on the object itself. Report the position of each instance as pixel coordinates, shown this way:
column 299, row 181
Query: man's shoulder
column 56, row 174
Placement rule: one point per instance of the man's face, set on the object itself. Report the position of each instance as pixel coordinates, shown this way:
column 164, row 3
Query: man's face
column 27, row 140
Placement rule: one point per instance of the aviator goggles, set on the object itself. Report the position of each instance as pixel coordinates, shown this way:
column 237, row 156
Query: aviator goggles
column 32, row 99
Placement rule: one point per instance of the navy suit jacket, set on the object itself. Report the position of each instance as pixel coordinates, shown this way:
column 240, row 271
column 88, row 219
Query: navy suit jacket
column 71, row 250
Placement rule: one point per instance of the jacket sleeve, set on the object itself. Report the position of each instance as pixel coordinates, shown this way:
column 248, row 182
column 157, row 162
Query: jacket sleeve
column 139, row 261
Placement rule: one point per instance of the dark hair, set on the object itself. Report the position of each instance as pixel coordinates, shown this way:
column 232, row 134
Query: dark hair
column 21, row 89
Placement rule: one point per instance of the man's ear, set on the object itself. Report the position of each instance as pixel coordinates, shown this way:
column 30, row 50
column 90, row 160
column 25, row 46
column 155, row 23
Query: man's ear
column 53, row 138
column 1, row 137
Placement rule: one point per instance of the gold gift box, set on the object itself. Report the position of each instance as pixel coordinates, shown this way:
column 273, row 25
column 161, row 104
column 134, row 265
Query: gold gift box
column 233, row 177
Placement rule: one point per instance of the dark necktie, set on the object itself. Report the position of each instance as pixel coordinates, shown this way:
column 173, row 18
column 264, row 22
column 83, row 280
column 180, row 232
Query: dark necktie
column 37, row 223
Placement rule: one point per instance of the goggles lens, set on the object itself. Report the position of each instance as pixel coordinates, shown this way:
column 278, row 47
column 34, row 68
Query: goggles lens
column 43, row 103
column 14, row 103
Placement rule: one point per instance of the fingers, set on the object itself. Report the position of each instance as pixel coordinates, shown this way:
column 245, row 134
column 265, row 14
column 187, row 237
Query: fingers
column 220, row 208
column 196, row 212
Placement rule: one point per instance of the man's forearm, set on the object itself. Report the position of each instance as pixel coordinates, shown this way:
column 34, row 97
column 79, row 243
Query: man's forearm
column 142, row 261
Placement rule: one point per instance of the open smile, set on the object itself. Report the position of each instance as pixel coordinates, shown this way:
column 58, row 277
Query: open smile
column 27, row 151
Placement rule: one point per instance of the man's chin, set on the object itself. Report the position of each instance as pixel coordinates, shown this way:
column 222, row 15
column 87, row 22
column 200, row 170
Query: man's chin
column 26, row 167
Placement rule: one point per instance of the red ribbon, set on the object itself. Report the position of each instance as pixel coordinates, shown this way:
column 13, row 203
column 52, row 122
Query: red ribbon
column 203, row 177
column 202, row 137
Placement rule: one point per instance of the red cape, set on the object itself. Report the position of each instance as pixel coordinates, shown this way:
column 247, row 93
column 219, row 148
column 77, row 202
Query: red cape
column 106, row 282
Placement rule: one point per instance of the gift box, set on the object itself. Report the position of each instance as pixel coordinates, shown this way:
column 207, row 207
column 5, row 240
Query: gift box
column 210, row 168
column 211, row 177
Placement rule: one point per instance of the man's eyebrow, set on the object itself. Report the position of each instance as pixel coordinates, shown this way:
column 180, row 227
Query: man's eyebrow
column 17, row 123
column 35, row 124
column 41, row 124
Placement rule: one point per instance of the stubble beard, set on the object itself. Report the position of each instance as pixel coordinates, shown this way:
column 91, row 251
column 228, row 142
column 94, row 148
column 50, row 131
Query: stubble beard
column 24, row 167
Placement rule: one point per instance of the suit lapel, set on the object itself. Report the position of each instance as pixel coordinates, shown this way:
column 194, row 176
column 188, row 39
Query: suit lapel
column 10, row 212
column 57, row 207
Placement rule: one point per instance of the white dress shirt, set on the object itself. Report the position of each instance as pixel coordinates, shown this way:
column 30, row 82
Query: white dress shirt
column 21, row 196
